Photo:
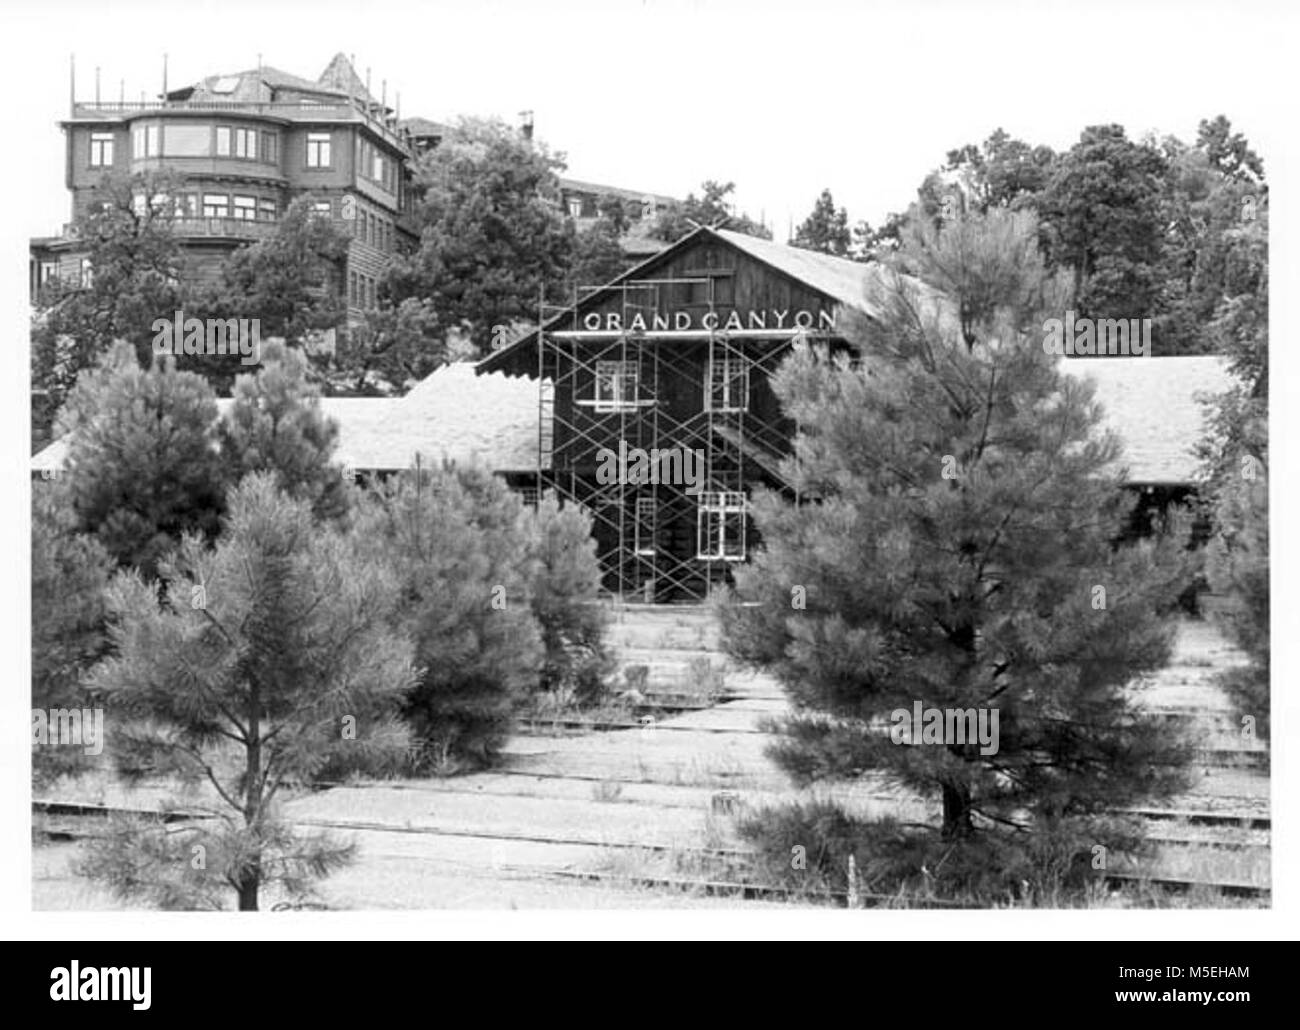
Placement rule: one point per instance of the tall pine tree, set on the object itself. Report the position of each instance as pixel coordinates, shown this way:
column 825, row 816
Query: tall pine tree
column 268, row 657
column 960, row 552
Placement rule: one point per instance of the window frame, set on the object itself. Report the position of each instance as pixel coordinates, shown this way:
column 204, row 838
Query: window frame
column 721, row 510
column 224, row 205
column 622, row 380
column 320, row 144
column 102, row 146
column 721, row 384
column 643, row 522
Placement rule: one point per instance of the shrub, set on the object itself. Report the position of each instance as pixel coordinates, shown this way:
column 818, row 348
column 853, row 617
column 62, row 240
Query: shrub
column 458, row 543
column 566, row 589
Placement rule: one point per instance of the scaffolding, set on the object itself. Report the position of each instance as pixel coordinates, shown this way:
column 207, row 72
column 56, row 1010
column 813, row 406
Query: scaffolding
column 656, row 390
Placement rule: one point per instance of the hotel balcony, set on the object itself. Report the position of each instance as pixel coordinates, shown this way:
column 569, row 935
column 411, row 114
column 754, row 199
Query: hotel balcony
column 237, row 229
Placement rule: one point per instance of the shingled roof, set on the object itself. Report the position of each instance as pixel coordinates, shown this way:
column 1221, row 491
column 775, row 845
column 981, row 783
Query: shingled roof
column 846, row 281
column 488, row 420
column 1154, row 406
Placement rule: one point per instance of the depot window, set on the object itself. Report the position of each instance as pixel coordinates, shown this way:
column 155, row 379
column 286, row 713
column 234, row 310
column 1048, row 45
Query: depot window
column 728, row 383
column 644, row 526
column 616, row 385
column 720, row 527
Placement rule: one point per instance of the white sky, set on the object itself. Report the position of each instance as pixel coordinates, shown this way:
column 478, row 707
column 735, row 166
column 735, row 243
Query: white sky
column 781, row 98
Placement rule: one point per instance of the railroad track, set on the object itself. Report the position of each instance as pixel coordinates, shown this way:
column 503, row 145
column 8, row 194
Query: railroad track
column 539, row 726
column 733, row 859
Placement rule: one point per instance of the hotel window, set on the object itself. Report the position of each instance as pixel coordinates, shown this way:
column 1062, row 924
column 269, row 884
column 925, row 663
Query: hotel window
column 352, row 289
column 245, row 208
column 87, row 273
column 643, row 536
column 101, row 149
column 616, row 385
column 223, row 141
column 186, row 139
column 246, row 144
column 720, row 529
column 270, row 148
column 48, row 270
column 377, row 168
column 266, row 210
column 144, row 141
column 216, row 205
column 186, row 205
column 575, row 207
column 318, row 150
column 728, row 383
column 322, row 209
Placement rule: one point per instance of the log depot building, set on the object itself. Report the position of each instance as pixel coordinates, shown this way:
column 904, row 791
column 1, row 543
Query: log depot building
column 675, row 356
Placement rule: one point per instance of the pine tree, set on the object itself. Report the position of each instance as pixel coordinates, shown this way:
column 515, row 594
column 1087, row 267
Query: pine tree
column 960, row 552
column 142, row 467
column 276, row 424
column 566, row 601
column 458, row 542
column 69, row 574
column 1236, row 457
column 268, row 656
column 826, row 229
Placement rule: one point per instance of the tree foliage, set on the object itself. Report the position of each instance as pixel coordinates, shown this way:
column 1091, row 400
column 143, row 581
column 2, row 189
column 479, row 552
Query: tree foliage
column 712, row 208
column 492, row 237
column 70, row 571
column 566, row 601
column 291, row 281
column 826, row 229
column 962, row 534
column 458, row 543
column 276, row 425
column 142, row 467
column 136, row 275
column 268, row 654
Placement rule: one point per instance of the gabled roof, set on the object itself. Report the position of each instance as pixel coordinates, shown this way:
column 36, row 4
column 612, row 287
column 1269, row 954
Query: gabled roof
column 1153, row 405
column 844, row 280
